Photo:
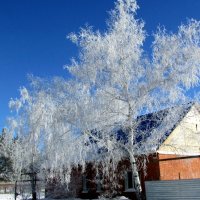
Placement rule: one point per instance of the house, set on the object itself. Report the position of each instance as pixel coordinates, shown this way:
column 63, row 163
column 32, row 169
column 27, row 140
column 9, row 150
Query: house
column 171, row 137
column 178, row 155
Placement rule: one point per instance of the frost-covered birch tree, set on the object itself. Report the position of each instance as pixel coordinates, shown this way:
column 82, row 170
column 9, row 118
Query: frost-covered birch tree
column 47, row 127
column 126, row 83
column 69, row 122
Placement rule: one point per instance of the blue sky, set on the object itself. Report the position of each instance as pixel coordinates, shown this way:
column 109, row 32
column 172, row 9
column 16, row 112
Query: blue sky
column 33, row 34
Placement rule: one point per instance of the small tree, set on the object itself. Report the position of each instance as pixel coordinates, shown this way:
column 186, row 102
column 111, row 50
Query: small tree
column 46, row 123
column 6, row 167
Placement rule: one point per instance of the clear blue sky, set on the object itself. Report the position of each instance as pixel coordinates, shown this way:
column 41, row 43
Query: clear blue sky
column 33, row 34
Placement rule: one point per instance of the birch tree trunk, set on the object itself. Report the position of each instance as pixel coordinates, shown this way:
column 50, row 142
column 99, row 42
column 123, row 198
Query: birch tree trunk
column 136, row 177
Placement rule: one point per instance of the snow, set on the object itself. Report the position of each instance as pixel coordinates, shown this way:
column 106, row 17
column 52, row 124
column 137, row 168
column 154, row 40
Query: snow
column 8, row 197
column 11, row 197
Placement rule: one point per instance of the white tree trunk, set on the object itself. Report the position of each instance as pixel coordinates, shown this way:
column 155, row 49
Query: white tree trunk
column 136, row 177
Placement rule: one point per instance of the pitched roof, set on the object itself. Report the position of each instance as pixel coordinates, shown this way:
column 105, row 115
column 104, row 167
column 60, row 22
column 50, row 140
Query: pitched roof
column 151, row 130
column 154, row 128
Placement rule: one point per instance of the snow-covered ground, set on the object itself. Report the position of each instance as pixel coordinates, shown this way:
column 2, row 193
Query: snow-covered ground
column 8, row 197
column 11, row 197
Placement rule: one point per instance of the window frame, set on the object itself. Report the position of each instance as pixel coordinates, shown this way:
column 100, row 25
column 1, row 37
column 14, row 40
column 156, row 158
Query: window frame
column 126, row 181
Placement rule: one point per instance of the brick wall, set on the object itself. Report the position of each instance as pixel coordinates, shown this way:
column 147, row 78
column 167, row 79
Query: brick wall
column 174, row 167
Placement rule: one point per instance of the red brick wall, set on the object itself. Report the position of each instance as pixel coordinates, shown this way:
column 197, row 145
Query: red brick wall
column 152, row 172
column 173, row 167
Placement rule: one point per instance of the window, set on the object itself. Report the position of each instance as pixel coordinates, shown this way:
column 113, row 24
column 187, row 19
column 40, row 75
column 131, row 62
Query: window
column 129, row 182
column 98, row 183
column 85, row 184
column 91, row 185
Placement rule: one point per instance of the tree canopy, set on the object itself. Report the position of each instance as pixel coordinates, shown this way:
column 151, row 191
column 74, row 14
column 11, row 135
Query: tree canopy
column 64, row 123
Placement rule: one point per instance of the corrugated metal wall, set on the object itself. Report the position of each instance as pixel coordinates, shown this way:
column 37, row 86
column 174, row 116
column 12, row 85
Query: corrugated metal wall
column 173, row 190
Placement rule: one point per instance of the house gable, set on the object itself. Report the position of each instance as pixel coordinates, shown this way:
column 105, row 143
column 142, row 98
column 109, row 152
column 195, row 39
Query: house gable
column 185, row 138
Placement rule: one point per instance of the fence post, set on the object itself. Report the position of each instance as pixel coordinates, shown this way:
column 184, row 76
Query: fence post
column 16, row 190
